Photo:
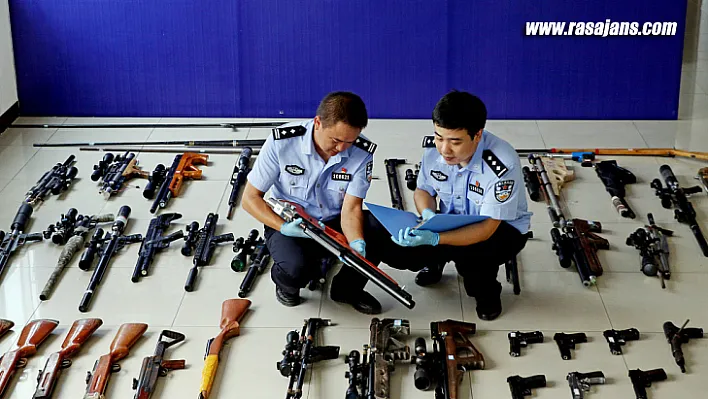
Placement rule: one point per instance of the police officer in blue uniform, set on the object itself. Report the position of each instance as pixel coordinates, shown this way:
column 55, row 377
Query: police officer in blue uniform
column 471, row 172
column 325, row 165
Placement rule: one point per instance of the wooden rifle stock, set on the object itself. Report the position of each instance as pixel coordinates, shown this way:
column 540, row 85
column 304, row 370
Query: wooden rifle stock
column 79, row 333
column 134, row 170
column 32, row 335
column 187, row 170
column 5, row 326
column 459, row 353
column 128, row 334
column 232, row 311
column 591, row 243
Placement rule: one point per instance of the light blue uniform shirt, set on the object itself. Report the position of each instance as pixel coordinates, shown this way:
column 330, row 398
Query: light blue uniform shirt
column 490, row 185
column 289, row 163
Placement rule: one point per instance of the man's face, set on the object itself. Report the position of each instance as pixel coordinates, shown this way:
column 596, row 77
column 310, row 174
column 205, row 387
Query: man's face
column 335, row 138
column 455, row 145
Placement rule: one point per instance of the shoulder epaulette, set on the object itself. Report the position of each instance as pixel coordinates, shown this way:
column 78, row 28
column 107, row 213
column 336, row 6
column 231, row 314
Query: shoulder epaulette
column 428, row 141
column 493, row 161
column 287, row 132
column 365, row 145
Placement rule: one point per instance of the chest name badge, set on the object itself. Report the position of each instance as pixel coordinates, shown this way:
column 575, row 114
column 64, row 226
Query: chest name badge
column 294, row 170
column 476, row 189
column 503, row 189
column 341, row 176
column 438, row 175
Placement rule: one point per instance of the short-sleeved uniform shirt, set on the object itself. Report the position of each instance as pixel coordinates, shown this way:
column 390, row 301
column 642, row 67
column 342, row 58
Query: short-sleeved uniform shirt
column 289, row 164
column 491, row 184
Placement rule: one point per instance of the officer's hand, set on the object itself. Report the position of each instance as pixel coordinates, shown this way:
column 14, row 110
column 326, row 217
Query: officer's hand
column 427, row 214
column 359, row 246
column 414, row 238
column 293, row 229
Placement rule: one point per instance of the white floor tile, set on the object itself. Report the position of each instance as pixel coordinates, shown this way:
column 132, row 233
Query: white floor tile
column 25, row 136
column 150, row 303
column 624, row 293
column 544, row 296
column 660, row 134
column 80, row 135
column 202, row 307
column 13, row 159
column 585, row 134
column 40, row 119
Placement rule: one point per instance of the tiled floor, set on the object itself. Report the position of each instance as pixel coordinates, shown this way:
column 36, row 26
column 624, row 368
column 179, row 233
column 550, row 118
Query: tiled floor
column 552, row 299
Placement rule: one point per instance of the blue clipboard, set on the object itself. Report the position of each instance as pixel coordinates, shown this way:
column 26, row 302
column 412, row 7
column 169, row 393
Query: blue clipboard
column 394, row 220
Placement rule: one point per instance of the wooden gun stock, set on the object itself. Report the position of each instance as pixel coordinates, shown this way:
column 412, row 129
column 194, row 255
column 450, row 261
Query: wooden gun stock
column 32, row 335
column 5, row 326
column 460, row 354
column 591, row 243
column 134, row 170
column 187, row 170
column 128, row 334
column 79, row 333
column 232, row 311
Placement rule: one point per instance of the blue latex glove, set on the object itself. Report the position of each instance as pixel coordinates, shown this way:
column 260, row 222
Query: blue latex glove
column 293, row 229
column 359, row 246
column 427, row 214
column 414, row 238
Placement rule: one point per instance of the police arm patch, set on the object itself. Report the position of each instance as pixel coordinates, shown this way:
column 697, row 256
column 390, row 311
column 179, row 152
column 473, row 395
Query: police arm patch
column 493, row 162
column 503, row 190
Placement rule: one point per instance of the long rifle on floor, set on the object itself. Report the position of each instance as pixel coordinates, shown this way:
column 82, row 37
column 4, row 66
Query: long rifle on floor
column 646, row 152
column 185, row 143
column 230, row 125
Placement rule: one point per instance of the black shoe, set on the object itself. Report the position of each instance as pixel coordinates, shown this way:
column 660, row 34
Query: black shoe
column 287, row 299
column 429, row 275
column 363, row 302
column 489, row 310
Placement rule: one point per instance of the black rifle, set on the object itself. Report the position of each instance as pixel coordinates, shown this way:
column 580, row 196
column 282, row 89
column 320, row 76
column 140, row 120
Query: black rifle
column 522, row 386
column 336, row 243
column 653, row 247
column 301, row 351
column 393, row 187
column 614, row 178
column 452, row 355
column 107, row 246
column 202, row 243
column 566, row 342
column 155, row 241
column 412, row 177
column 369, row 378
column 641, row 380
column 70, row 231
column 154, row 181
column 618, row 338
column 674, row 194
column 54, row 181
column 156, row 366
column 678, row 336
column 580, row 383
column 518, row 340
column 16, row 236
column 259, row 260
column 574, row 241
column 243, row 247
column 114, row 170
column 238, row 178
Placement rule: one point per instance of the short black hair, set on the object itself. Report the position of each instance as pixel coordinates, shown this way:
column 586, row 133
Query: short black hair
column 343, row 106
column 460, row 110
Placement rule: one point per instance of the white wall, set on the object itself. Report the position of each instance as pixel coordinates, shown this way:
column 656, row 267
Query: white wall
column 8, row 86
